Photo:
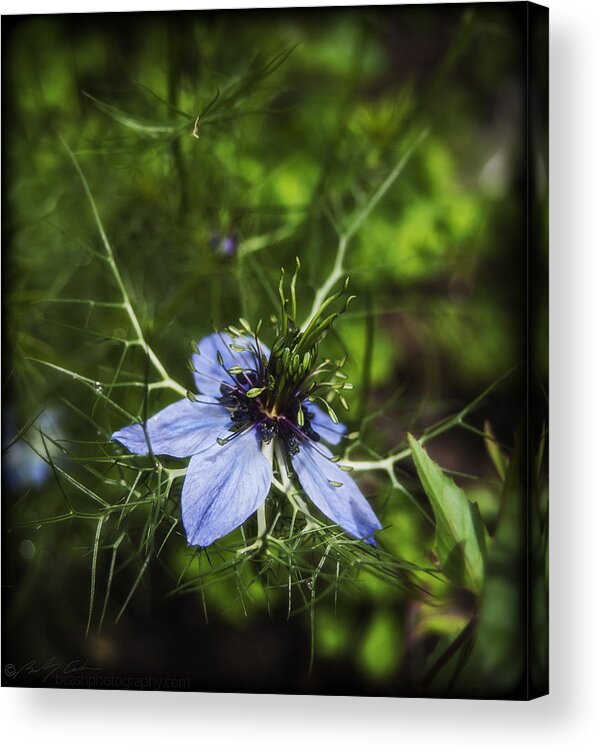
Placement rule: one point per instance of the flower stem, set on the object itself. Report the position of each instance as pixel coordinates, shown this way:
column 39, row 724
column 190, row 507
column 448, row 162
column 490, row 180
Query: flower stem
column 262, row 521
column 109, row 257
column 288, row 489
column 337, row 271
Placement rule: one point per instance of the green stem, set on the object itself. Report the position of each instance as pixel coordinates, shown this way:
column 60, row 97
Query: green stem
column 338, row 266
column 110, row 260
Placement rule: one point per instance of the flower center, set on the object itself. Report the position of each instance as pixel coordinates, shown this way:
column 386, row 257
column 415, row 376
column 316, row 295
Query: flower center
column 252, row 406
column 272, row 393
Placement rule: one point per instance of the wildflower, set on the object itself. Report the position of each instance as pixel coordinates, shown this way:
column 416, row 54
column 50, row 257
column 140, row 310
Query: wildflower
column 24, row 460
column 253, row 403
column 224, row 245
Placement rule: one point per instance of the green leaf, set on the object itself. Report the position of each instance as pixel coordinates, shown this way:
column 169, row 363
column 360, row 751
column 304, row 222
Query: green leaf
column 459, row 531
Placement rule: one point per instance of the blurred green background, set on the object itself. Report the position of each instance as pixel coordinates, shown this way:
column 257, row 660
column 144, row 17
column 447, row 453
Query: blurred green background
column 218, row 147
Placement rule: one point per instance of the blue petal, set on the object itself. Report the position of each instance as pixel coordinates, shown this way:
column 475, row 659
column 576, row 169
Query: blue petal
column 222, row 488
column 209, row 375
column 180, row 430
column 345, row 505
column 329, row 431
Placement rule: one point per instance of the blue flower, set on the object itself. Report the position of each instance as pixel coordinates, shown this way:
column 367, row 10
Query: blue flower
column 224, row 245
column 24, row 461
column 228, row 430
